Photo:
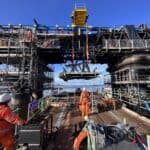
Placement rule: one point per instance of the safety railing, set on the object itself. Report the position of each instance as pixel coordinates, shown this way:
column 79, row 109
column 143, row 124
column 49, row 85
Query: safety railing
column 137, row 99
column 133, row 78
column 16, row 42
column 80, row 5
column 124, row 44
column 33, row 109
column 49, row 43
column 107, row 79
column 37, row 106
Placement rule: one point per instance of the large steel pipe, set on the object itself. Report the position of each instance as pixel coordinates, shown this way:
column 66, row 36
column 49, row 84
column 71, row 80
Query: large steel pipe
column 135, row 59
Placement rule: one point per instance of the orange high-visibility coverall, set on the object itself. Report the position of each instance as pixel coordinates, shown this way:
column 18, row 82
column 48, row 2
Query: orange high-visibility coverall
column 78, row 140
column 84, row 94
column 28, row 36
column 7, row 117
column 84, row 107
column 108, row 101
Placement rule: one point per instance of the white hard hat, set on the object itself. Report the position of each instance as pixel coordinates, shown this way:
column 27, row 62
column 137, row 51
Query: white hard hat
column 84, row 89
column 86, row 118
column 5, row 98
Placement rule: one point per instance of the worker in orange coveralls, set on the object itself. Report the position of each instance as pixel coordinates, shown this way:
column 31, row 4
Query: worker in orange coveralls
column 28, row 36
column 7, row 118
column 84, row 103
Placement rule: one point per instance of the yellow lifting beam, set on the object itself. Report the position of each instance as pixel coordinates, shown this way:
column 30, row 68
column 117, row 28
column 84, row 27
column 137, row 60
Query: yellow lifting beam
column 79, row 17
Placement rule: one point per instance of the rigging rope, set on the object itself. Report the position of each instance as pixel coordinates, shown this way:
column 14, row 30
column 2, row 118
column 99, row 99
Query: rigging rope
column 87, row 46
column 73, row 51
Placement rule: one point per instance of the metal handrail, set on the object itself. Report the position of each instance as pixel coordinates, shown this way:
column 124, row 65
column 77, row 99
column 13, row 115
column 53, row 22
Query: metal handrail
column 126, row 44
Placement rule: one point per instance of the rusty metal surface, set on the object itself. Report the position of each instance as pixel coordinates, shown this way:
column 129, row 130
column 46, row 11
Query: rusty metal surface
column 66, row 134
column 142, row 127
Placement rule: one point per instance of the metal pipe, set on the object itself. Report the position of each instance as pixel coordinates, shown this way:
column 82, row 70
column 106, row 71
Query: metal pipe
column 135, row 59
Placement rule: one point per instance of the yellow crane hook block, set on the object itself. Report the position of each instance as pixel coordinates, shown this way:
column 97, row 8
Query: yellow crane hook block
column 79, row 17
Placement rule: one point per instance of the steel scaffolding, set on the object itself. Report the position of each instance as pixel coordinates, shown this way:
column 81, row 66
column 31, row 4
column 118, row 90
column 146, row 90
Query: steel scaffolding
column 18, row 49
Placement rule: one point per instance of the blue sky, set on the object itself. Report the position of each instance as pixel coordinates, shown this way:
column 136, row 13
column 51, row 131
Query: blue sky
column 52, row 12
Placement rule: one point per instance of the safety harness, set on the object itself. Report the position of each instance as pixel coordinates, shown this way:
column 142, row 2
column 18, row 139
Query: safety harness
column 96, row 135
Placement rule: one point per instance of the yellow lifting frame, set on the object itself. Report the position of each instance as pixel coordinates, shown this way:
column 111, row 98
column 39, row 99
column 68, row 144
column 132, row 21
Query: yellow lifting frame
column 79, row 17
